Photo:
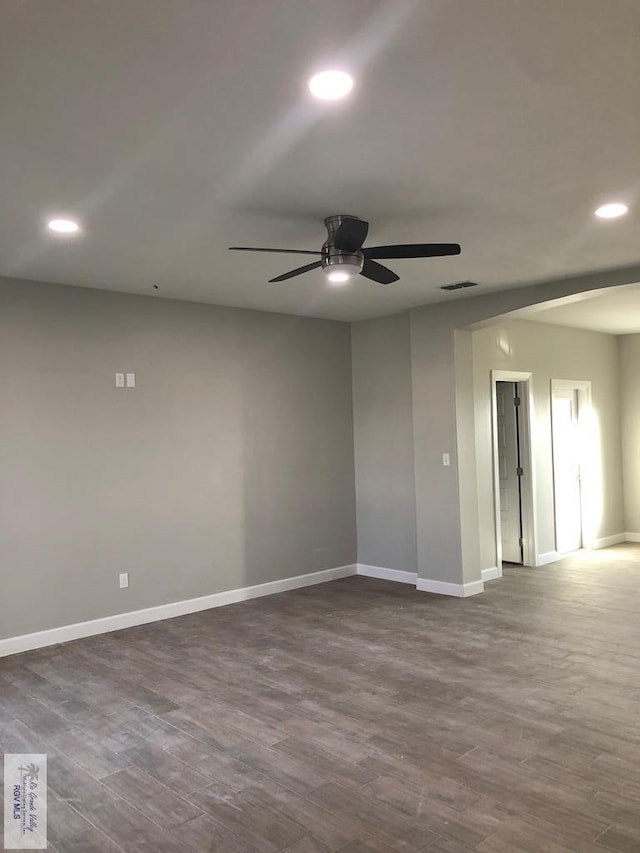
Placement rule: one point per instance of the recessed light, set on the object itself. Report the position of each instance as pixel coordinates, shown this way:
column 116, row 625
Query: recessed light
column 63, row 226
column 612, row 210
column 331, row 85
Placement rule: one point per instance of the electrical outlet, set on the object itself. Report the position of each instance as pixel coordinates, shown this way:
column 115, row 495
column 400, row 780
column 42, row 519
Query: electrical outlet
column 124, row 580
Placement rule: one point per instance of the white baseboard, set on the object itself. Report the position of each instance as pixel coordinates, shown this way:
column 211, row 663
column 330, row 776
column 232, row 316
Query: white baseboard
column 386, row 574
column 458, row 590
column 65, row 633
column 491, row 574
column 603, row 542
column 549, row 557
column 25, row 642
column 608, row 541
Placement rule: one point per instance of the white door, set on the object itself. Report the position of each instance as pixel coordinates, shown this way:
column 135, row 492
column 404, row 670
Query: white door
column 508, row 468
column 566, row 470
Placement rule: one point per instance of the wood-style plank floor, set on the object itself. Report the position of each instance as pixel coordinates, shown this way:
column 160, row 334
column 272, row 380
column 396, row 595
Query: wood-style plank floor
column 357, row 716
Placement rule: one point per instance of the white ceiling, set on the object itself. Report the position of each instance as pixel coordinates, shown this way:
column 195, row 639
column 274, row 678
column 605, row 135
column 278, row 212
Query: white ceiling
column 174, row 129
column 616, row 311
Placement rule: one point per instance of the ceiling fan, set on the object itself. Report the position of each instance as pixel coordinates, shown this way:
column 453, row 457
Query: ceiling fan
column 343, row 255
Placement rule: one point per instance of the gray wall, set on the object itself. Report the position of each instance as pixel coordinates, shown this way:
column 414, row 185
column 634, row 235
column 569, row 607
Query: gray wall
column 230, row 464
column 383, row 439
column 630, row 381
column 465, row 447
column 434, row 429
column 550, row 352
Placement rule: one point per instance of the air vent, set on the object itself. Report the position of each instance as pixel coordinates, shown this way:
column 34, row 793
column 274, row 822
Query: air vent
column 459, row 285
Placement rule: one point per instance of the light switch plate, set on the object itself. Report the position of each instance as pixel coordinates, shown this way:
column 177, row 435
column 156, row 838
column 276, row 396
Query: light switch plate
column 131, row 380
column 119, row 380
column 446, row 459
column 124, row 580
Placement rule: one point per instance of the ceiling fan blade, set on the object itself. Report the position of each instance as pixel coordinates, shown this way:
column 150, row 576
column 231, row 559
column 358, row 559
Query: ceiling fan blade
column 350, row 235
column 297, row 271
column 376, row 272
column 283, row 251
column 413, row 250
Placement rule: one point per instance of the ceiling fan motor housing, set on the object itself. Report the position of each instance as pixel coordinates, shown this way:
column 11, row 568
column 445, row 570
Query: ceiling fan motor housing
column 333, row 257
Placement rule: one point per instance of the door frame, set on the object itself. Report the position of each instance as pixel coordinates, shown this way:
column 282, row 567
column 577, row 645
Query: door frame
column 527, row 481
column 583, row 389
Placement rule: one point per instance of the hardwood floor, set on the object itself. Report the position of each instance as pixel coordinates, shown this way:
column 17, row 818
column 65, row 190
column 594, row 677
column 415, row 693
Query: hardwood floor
column 357, row 716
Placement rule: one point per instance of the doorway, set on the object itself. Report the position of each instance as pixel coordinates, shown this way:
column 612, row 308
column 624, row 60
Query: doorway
column 570, row 400
column 513, row 469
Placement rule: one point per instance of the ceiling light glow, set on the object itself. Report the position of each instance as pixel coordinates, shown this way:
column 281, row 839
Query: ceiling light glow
column 612, row 210
column 338, row 277
column 341, row 273
column 63, row 226
column 330, row 85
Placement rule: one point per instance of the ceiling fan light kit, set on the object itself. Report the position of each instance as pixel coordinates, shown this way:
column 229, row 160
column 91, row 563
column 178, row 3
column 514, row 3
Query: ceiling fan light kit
column 340, row 273
column 343, row 254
